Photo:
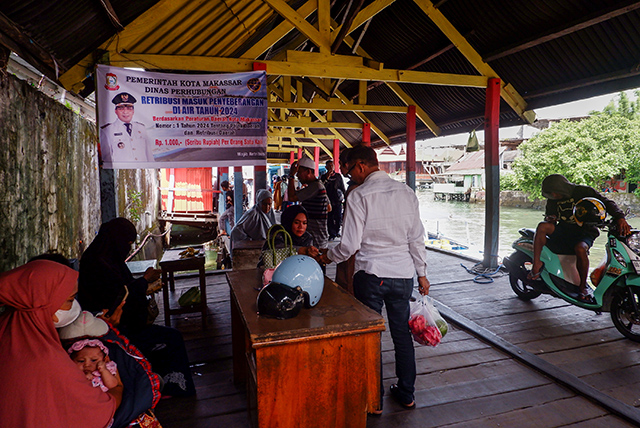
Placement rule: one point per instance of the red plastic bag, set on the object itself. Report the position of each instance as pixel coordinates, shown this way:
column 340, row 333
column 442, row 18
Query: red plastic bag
column 425, row 322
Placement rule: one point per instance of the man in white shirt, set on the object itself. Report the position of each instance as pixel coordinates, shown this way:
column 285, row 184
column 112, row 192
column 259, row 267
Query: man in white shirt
column 124, row 140
column 382, row 223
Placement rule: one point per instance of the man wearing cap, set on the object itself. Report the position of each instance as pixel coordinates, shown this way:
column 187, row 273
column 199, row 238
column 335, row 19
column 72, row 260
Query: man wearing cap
column 566, row 236
column 313, row 198
column 124, row 140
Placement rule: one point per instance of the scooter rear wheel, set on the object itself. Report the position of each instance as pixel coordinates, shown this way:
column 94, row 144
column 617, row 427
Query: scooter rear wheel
column 625, row 313
column 518, row 275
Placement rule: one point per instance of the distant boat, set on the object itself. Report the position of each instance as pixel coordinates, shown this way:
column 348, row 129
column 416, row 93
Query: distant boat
column 439, row 241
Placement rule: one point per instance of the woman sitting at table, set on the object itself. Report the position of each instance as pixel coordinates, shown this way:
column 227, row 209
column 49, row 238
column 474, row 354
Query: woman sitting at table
column 255, row 223
column 294, row 221
column 103, row 277
column 40, row 386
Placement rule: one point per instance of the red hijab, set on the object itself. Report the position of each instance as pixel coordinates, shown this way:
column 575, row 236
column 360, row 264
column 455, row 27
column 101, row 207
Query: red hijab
column 40, row 385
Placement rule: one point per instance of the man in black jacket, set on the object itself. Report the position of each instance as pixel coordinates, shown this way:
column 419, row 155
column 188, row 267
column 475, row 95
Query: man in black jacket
column 567, row 236
column 334, row 184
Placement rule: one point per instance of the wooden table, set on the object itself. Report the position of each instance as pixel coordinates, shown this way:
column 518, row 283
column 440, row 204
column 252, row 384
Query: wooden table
column 319, row 369
column 170, row 263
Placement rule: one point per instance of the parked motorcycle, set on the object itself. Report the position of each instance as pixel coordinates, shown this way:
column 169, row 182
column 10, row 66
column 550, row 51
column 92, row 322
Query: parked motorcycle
column 615, row 282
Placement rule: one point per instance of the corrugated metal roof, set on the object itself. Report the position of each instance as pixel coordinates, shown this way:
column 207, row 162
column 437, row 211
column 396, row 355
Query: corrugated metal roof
column 469, row 162
column 550, row 51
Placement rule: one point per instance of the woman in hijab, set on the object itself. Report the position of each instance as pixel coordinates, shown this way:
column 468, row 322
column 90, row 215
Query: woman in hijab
column 103, row 277
column 255, row 223
column 40, row 384
column 294, row 221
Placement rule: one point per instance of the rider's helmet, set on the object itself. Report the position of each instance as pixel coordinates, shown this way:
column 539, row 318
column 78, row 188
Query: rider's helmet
column 589, row 211
column 304, row 272
column 279, row 301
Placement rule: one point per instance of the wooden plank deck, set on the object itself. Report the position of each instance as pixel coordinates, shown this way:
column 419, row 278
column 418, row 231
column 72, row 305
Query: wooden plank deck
column 464, row 382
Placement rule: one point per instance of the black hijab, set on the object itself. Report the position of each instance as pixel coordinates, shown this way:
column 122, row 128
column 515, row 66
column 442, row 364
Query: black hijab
column 103, row 271
column 286, row 219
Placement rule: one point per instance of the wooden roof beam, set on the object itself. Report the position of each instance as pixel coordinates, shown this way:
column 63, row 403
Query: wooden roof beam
column 287, row 12
column 191, row 17
column 307, row 124
column 233, row 34
column 361, row 116
column 314, row 65
column 317, row 114
column 346, row 26
column 278, row 33
column 363, row 16
column 296, row 143
column 336, row 105
column 406, row 99
column 14, row 38
column 420, row 113
column 507, row 92
column 134, row 32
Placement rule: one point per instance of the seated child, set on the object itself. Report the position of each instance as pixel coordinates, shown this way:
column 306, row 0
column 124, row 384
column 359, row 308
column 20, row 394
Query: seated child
column 92, row 357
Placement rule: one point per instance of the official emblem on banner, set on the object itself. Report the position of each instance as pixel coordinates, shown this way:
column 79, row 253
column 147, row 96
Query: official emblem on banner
column 254, row 84
column 111, row 81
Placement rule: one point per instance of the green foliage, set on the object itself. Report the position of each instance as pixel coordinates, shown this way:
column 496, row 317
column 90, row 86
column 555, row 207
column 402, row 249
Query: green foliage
column 508, row 181
column 135, row 206
column 586, row 152
column 624, row 107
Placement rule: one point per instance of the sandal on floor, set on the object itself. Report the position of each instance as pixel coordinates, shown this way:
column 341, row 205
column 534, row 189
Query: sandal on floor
column 395, row 392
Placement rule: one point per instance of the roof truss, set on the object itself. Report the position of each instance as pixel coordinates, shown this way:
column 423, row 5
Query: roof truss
column 153, row 41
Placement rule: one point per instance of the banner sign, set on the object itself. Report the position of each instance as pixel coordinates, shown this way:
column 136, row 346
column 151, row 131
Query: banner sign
column 162, row 120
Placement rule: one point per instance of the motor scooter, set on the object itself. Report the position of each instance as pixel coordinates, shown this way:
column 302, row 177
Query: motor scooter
column 615, row 282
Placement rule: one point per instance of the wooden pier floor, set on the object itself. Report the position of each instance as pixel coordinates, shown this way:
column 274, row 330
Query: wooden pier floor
column 463, row 382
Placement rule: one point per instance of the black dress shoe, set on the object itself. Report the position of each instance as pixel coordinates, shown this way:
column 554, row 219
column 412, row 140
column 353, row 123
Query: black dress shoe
column 395, row 395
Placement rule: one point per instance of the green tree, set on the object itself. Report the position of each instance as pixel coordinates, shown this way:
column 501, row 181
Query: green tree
column 586, row 152
column 624, row 107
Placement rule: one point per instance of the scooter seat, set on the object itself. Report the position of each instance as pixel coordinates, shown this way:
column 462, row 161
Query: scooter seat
column 527, row 232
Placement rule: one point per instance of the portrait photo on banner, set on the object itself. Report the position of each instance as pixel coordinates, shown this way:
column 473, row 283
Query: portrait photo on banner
column 162, row 120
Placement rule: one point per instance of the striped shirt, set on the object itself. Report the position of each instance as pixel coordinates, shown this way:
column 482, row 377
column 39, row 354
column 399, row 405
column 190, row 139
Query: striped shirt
column 314, row 199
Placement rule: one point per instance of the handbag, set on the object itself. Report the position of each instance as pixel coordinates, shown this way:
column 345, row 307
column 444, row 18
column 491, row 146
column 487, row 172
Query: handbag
column 273, row 256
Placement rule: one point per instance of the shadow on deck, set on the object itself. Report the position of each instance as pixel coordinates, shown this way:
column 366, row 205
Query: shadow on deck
column 465, row 381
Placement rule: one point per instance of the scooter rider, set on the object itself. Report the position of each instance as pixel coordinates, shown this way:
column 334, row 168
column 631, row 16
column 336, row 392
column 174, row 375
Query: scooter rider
column 566, row 236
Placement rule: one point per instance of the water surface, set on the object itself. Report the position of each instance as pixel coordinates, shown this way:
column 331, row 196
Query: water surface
column 464, row 222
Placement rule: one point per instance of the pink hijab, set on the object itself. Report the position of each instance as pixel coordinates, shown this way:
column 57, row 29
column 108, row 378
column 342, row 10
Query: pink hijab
column 40, row 385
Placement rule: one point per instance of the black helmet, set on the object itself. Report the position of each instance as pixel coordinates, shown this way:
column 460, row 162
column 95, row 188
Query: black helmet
column 589, row 211
column 280, row 301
